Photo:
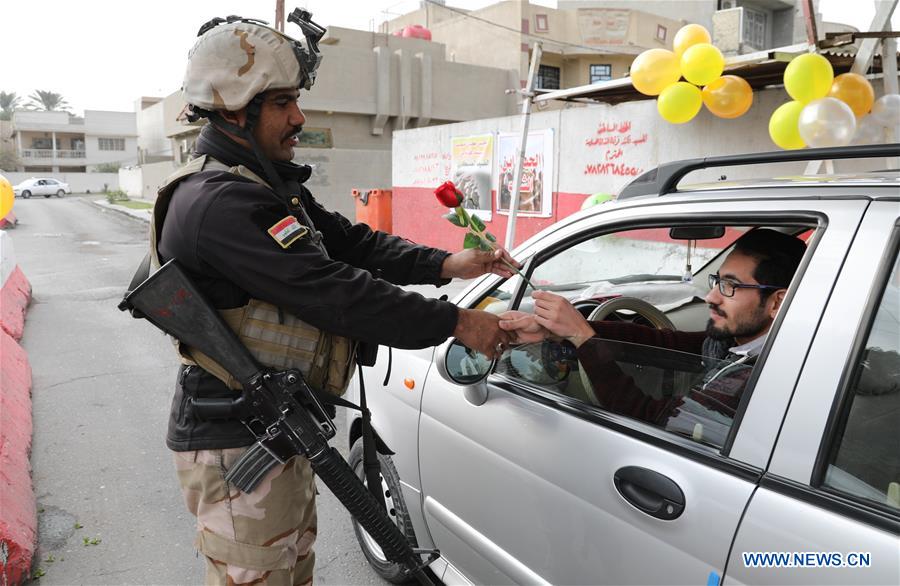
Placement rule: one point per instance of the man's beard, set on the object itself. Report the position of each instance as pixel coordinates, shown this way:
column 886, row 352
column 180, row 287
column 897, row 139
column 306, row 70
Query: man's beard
column 750, row 327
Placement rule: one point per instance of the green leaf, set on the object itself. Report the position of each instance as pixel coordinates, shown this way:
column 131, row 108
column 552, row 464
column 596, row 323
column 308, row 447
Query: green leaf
column 471, row 241
column 454, row 219
column 485, row 246
column 490, row 237
column 476, row 222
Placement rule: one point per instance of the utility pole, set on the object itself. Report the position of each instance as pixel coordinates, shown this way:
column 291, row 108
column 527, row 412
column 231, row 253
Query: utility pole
column 528, row 93
column 279, row 15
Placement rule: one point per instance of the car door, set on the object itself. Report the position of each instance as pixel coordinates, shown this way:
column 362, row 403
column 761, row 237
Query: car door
column 519, row 483
column 834, row 479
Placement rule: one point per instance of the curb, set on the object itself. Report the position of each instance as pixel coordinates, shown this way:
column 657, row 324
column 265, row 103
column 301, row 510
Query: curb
column 18, row 515
column 142, row 215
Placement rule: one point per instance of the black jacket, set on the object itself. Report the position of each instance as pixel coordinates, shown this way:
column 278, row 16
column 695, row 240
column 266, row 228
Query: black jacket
column 216, row 226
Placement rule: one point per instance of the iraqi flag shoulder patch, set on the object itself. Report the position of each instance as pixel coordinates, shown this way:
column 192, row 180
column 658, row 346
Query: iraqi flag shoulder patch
column 287, row 231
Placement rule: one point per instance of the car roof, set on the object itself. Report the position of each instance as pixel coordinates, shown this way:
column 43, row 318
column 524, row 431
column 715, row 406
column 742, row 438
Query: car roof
column 878, row 178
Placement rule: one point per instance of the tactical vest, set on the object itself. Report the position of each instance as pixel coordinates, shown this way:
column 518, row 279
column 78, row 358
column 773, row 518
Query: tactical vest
column 275, row 338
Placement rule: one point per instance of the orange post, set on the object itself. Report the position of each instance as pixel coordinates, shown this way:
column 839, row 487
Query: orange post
column 373, row 208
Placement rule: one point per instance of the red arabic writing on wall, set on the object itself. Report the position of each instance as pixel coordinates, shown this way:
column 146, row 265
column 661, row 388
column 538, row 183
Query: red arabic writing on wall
column 431, row 169
column 618, row 140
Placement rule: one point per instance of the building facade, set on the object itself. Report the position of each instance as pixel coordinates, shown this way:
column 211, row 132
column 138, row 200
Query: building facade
column 580, row 45
column 58, row 142
column 368, row 86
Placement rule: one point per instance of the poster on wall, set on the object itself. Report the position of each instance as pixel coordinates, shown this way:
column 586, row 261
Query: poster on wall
column 536, row 191
column 471, row 166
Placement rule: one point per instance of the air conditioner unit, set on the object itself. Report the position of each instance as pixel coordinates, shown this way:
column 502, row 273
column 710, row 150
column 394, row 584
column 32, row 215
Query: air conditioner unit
column 726, row 4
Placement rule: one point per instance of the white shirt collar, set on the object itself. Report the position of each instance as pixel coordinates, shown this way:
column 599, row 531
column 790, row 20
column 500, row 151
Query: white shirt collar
column 751, row 348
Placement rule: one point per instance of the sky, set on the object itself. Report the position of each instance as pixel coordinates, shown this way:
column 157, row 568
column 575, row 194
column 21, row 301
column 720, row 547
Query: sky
column 105, row 54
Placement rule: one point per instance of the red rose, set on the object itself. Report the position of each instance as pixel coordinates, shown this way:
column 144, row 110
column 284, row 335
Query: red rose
column 448, row 195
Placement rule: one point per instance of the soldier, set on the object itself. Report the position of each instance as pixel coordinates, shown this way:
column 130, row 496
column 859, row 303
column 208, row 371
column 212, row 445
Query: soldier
column 299, row 284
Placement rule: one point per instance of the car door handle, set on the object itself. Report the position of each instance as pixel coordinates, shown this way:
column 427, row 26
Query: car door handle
column 650, row 492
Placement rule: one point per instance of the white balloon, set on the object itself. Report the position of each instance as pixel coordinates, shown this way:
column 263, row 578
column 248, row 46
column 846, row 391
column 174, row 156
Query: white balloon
column 886, row 110
column 868, row 131
column 827, row 122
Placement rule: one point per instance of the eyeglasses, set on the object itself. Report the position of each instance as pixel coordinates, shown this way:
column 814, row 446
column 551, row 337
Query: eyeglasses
column 727, row 288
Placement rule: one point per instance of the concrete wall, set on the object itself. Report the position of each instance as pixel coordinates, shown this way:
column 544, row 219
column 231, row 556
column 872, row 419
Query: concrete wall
column 336, row 172
column 79, row 182
column 599, row 148
column 144, row 181
column 698, row 11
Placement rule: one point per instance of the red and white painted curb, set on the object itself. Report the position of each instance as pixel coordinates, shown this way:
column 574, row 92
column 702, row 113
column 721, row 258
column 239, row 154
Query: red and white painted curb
column 18, row 516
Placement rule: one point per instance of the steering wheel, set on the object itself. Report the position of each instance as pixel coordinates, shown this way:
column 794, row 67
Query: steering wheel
column 644, row 314
column 639, row 307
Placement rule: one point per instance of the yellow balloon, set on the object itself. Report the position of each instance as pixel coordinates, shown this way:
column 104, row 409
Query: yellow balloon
column 7, row 197
column 702, row 63
column 784, row 125
column 729, row 96
column 854, row 90
column 654, row 70
column 808, row 77
column 679, row 102
column 688, row 36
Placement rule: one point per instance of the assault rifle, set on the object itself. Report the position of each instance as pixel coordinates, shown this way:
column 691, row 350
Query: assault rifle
column 278, row 407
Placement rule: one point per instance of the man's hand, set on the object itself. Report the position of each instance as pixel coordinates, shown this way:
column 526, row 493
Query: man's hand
column 557, row 315
column 523, row 327
column 472, row 262
column 480, row 331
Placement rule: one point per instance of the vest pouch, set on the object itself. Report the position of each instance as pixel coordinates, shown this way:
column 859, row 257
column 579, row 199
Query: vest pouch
column 280, row 340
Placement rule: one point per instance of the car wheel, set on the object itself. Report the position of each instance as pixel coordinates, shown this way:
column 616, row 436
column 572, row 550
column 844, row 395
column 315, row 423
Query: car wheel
column 26, row 194
column 60, row 193
column 396, row 508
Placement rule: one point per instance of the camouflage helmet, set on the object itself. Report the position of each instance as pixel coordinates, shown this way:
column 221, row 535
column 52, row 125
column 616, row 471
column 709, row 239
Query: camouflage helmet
column 237, row 58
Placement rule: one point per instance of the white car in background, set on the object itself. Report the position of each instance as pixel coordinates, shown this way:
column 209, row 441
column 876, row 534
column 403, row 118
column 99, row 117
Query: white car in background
column 41, row 186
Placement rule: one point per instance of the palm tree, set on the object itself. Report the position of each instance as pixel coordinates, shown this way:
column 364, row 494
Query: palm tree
column 8, row 103
column 49, row 101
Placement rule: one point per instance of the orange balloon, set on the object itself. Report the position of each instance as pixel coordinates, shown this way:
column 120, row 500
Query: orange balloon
column 728, row 96
column 688, row 36
column 854, row 90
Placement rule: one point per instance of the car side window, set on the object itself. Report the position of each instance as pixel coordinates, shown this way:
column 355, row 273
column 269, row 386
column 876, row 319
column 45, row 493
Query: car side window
column 865, row 457
column 644, row 293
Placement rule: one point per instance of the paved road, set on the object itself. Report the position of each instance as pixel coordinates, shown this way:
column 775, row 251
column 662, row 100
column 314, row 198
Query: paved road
column 102, row 387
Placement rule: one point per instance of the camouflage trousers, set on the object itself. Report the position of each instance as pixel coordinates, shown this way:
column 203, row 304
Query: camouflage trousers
column 261, row 538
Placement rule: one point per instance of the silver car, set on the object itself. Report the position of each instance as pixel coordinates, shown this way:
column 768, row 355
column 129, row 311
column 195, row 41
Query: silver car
column 514, row 473
column 41, row 186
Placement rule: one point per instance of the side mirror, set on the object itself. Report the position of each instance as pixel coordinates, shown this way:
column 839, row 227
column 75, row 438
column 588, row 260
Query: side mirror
column 460, row 365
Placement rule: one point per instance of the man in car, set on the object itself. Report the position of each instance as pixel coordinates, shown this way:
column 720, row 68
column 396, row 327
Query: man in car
column 745, row 296
column 301, row 286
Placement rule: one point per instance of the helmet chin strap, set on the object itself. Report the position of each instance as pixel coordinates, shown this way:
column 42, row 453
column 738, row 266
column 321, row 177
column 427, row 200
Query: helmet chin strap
column 291, row 201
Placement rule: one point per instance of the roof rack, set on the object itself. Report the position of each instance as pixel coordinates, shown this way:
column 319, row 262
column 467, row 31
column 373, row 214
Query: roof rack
column 664, row 179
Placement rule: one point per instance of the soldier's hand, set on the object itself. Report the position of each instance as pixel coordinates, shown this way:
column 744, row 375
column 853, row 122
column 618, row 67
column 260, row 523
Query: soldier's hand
column 473, row 262
column 480, row 331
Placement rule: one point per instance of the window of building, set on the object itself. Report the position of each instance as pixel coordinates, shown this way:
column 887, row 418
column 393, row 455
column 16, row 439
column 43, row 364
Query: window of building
column 42, row 143
column 540, row 23
column 864, row 461
column 548, row 77
column 601, row 72
column 754, row 28
column 111, row 144
column 661, row 33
